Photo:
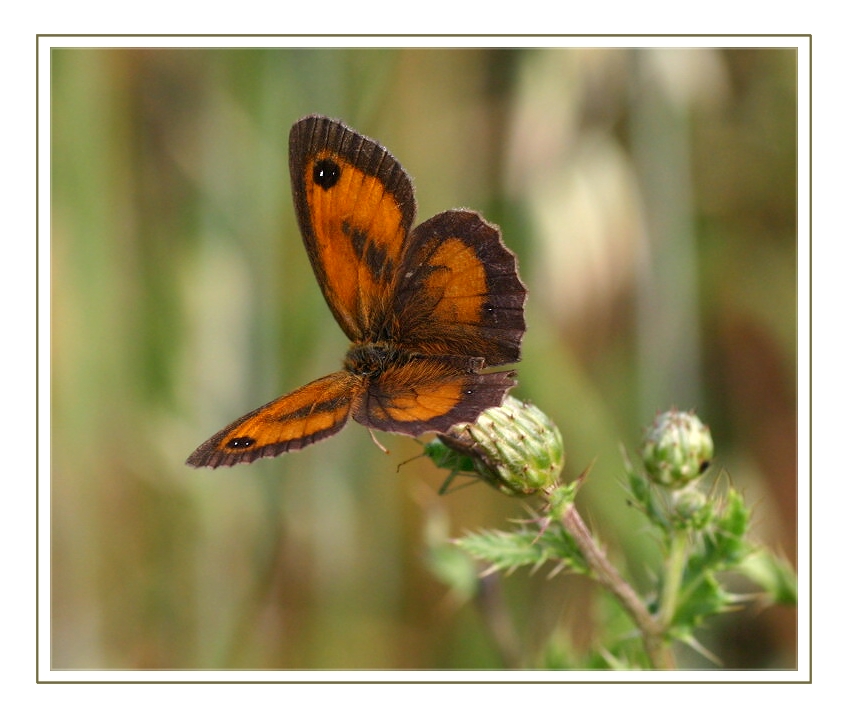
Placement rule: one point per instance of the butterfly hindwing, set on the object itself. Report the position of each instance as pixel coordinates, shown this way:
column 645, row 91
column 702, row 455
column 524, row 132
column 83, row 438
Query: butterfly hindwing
column 430, row 394
column 355, row 205
column 459, row 291
column 309, row 414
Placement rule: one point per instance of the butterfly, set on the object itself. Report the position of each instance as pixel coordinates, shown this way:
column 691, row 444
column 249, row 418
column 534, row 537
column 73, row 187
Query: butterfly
column 425, row 309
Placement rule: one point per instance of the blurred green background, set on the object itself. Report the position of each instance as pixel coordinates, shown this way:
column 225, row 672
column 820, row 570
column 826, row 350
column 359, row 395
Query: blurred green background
column 651, row 198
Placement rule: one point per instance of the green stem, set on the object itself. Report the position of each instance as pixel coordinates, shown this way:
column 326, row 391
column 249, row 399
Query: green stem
column 675, row 565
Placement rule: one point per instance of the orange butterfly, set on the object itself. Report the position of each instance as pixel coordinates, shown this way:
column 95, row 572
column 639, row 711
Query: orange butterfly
column 426, row 309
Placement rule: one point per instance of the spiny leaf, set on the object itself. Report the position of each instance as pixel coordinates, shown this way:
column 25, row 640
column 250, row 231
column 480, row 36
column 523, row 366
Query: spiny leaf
column 774, row 574
column 506, row 551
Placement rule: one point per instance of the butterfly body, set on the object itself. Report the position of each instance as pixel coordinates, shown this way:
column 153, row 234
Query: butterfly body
column 426, row 309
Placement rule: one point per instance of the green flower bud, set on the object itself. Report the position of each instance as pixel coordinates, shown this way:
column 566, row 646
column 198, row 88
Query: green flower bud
column 677, row 448
column 515, row 448
column 691, row 509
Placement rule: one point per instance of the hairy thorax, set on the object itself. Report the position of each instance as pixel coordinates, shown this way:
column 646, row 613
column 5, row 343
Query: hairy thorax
column 371, row 360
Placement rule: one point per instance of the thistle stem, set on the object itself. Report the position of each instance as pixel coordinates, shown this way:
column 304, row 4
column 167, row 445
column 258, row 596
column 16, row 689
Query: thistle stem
column 659, row 653
column 673, row 577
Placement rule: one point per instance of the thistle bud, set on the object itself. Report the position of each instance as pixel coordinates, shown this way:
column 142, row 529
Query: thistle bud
column 515, row 447
column 677, row 448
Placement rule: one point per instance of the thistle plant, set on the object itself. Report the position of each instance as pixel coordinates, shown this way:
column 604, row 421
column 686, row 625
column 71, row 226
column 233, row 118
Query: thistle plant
column 700, row 521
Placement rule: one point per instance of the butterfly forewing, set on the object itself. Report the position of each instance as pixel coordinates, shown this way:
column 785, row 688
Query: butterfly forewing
column 355, row 206
column 313, row 412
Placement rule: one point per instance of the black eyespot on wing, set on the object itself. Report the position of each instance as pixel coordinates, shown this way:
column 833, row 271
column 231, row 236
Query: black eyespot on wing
column 326, row 173
column 241, row 442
